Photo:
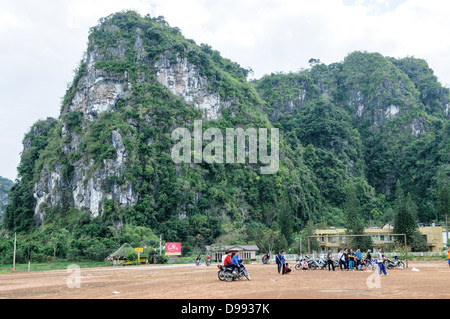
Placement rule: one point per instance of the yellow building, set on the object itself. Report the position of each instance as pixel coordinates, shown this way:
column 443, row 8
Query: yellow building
column 333, row 238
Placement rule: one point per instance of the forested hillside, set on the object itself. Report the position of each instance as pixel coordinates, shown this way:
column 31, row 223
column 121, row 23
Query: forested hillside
column 5, row 185
column 102, row 174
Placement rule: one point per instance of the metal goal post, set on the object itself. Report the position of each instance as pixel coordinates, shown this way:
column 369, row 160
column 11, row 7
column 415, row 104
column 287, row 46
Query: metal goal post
column 366, row 235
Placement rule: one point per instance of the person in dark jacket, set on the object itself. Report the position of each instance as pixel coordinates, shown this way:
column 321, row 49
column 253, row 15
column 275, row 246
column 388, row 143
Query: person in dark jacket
column 278, row 261
column 346, row 258
column 330, row 260
column 283, row 262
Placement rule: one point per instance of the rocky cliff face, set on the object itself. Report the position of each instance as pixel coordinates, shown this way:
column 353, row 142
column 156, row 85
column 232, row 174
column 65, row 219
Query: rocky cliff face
column 5, row 186
column 98, row 90
column 183, row 79
column 86, row 189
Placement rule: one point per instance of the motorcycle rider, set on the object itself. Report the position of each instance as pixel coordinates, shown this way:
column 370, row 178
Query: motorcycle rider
column 227, row 261
column 236, row 261
column 265, row 258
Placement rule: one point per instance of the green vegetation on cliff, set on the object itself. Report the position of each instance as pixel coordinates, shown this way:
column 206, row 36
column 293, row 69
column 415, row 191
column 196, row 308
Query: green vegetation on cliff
column 356, row 126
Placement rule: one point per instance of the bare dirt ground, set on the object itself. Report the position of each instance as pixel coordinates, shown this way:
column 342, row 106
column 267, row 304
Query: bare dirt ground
column 192, row 282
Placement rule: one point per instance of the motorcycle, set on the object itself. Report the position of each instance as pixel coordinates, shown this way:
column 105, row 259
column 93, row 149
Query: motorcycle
column 298, row 263
column 230, row 274
column 335, row 263
column 323, row 264
column 221, row 272
column 370, row 264
column 394, row 263
column 208, row 262
column 265, row 259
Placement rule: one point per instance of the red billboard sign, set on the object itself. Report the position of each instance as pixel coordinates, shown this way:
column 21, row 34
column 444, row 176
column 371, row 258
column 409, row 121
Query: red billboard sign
column 173, row 249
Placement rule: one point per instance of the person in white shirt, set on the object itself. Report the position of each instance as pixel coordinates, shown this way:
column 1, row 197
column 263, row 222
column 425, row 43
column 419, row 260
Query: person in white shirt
column 380, row 262
column 341, row 259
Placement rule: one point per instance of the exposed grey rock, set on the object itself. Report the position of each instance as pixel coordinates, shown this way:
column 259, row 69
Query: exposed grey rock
column 183, row 79
column 98, row 90
column 87, row 189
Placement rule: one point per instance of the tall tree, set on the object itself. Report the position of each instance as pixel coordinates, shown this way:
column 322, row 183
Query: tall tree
column 443, row 195
column 285, row 218
column 353, row 221
column 405, row 214
column 309, row 230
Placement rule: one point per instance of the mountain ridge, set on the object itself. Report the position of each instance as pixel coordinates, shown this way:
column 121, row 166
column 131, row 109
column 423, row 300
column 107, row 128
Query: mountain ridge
column 105, row 162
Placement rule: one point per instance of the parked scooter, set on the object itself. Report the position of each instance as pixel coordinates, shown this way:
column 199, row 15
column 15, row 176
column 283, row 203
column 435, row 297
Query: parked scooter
column 394, row 263
column 323, row 264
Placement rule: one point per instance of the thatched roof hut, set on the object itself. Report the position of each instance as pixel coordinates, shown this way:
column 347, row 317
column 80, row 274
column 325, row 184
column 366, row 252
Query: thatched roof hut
column 121, row 253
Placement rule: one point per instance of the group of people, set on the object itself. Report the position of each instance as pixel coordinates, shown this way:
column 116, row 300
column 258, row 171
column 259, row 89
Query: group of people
column 351, row 260
column 282, row 265
column 348, row 260
column 234, row 262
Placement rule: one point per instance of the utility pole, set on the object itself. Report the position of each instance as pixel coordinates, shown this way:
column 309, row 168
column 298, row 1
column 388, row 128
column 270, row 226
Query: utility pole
column 300, row 245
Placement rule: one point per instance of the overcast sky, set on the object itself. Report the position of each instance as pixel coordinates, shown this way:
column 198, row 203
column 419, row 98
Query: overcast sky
column 43, row 41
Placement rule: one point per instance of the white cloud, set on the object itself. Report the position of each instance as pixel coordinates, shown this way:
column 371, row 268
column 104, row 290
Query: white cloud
column 282, row 35
column 43, row 42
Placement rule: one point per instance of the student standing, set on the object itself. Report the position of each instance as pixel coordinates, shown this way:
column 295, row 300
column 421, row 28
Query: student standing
column 380, row 262
column 448, row 256
column 330, row 260
column 346, row 258
column 283, row 262
column 358, row 255
column 278, row 261
column 351, row 259
column 341, row 258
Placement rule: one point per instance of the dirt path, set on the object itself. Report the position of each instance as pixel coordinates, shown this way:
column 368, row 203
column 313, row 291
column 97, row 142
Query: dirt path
column 191, row 282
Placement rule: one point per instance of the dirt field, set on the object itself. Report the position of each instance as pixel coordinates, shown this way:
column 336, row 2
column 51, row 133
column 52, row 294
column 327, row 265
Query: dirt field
column 191, row 282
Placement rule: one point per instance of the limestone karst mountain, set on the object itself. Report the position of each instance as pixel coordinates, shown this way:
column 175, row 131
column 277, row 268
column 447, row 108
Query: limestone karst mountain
column 105, row 162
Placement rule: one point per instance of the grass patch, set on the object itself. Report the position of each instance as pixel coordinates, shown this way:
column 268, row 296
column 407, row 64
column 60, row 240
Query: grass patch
column 59, row 265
